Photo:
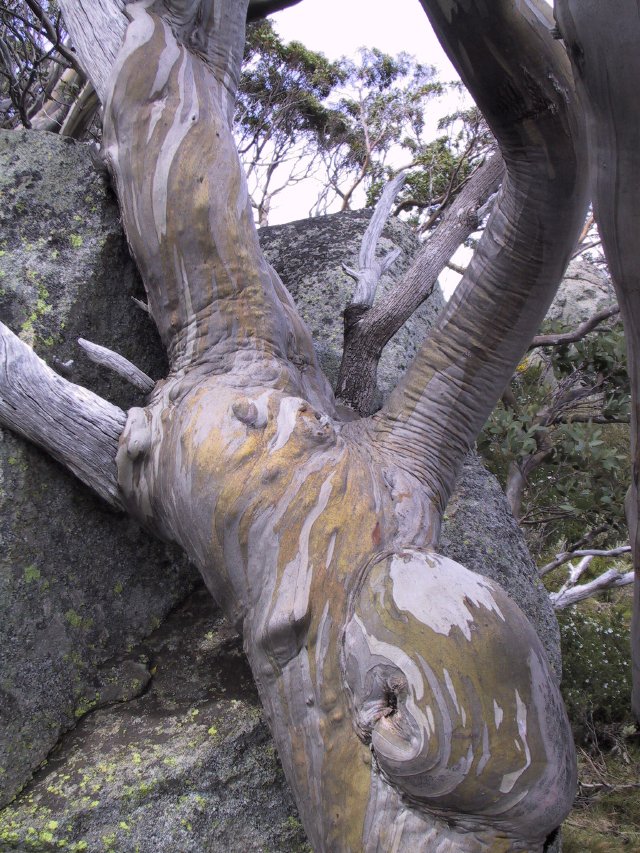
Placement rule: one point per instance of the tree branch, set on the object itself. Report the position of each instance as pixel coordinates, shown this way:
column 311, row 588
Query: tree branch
column 520, row 79
column 210, row 290
column 569, row 595
column 577, row 334
column 118, row 364
column 97, row 30
column 370, row 269
column 74, row 425
column 371, row 330
column 565, row 556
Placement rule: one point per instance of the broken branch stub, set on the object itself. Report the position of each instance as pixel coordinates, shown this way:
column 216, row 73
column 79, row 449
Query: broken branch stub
column 118, row 364
column 74, row 425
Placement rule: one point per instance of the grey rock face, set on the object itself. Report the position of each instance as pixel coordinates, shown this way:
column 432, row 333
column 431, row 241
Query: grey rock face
column 188, row 766
column 584, row 291
column 169, row 750
column 77, row 582
column 308, row 255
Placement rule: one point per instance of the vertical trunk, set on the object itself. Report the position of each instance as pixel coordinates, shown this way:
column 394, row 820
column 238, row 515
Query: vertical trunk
column 603, row 44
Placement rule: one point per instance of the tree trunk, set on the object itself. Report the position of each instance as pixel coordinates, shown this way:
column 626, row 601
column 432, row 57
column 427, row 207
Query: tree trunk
column 603, row 45
column 410, row 699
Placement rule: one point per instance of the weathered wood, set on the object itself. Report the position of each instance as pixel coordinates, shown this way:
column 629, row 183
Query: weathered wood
column 603, row 46
column 118, row 363
column 371, row 269
column 97, row 29
column 74, row 425
column 572, row 594
column 565, row 556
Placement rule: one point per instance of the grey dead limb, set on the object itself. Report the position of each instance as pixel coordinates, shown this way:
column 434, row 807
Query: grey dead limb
column 74, row 425
column 118, row 364
column 370, row 268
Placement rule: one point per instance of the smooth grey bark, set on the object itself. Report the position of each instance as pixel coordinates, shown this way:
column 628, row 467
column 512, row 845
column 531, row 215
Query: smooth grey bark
column 522, row 83
column 603, row 45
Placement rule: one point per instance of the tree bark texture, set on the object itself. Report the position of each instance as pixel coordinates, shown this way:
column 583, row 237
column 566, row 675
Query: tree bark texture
column 410, row 699
column 606, row 60
column 369, row 328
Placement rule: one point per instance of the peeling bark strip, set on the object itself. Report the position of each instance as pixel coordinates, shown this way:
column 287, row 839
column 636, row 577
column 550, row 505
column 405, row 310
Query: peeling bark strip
column 410, row 701
column 605, row 52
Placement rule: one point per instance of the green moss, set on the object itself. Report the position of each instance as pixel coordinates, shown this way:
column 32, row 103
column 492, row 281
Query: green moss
column 76, row 621
column 76, row 241
column 31, row 574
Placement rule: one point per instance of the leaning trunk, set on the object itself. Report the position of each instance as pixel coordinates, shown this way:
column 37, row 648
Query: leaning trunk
column 410, row 700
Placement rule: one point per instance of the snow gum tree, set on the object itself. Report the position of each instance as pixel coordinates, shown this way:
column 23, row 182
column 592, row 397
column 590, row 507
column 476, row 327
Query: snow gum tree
column 410, row 699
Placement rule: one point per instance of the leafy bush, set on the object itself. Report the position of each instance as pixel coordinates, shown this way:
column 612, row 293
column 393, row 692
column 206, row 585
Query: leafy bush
column 596, row 665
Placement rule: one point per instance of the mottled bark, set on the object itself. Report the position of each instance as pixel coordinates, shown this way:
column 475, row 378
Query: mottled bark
column 410, row 699
column 603, row 45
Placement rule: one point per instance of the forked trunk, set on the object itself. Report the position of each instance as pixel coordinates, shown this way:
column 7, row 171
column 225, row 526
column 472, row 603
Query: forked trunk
column 410, row 699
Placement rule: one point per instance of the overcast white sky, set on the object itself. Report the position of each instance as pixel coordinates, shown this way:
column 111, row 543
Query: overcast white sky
column 340, row 27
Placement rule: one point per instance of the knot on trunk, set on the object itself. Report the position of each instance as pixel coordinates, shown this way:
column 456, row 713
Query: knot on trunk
column 353, row 313
column 449, row 686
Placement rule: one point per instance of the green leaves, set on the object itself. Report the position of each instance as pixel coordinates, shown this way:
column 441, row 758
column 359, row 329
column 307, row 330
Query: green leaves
column 563, row 430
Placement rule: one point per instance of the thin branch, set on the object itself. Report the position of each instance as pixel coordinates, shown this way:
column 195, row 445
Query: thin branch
column 572, row 595
column 577, row 334
column 53, row 35
column 566, row 556
column 118, row 364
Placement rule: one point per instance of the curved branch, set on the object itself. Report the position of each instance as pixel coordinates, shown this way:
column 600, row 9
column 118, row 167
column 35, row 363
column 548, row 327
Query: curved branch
column 184, row 199
column 74, row 425
column 577, row 334
column 520, row 79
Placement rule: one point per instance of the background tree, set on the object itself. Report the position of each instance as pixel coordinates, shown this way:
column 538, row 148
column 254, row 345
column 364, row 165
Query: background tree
column 283, row 120
column 40, row 78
